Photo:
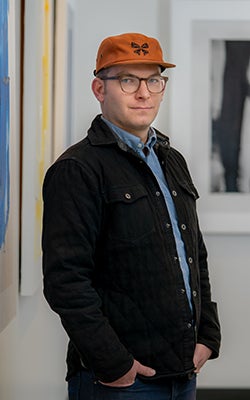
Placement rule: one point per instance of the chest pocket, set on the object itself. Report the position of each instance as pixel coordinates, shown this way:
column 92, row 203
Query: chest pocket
column 128, row 213
column 190, row 189
column 187, row 203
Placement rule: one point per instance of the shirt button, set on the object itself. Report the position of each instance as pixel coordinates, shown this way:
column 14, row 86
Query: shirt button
column 183, row 227
column 140, row 145
column 158, row 193
column 127, row 196
column 174, row 193
column 190, row 260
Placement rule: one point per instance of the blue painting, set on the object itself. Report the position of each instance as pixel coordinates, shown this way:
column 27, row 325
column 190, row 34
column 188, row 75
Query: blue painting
column 4, row 122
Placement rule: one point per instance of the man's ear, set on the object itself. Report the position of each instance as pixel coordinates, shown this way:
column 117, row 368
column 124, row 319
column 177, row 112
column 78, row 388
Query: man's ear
column 98, row 89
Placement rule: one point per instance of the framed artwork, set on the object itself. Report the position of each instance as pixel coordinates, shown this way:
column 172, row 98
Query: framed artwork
column 211, row 93
column 37, row 133
column 9, row 167
column 63, row 97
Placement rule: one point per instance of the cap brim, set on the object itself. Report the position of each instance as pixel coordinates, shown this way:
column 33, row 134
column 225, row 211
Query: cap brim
column 134, row 62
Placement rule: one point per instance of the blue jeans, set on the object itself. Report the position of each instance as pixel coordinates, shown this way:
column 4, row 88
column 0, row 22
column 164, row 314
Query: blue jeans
column 84, row 387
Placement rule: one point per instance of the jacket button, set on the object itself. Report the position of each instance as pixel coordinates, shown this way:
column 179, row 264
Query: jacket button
column 183, row 227
column 157, row 194
column 189, row 325
column 190, row 260
column 183, row 291
column 174, row 193
column 122, row 145
column 168, row 225
column 194, row 293
column 127, row 196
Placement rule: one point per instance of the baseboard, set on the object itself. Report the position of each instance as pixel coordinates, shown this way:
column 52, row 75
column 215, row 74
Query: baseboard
column 223, row 394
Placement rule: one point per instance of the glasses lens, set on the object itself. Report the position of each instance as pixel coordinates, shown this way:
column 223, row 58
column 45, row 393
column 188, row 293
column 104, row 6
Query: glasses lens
column 156, row 84
column 130, row 84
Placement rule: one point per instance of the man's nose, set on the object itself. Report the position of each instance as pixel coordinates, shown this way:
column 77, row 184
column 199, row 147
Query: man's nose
column 143, row 90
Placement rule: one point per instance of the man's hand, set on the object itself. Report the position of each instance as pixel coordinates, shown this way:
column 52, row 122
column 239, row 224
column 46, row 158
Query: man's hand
column 201, row 355
column 129, row 378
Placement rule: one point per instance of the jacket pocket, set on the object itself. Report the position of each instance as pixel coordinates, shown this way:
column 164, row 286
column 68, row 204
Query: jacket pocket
column 128, row 212
column 190, row 189
column 186, row 204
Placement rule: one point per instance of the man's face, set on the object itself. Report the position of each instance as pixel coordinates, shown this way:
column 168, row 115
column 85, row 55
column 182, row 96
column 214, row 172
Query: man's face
column 132, row 112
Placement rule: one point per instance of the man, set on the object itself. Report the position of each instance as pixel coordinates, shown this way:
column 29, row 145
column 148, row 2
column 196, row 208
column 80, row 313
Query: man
column 125, row 265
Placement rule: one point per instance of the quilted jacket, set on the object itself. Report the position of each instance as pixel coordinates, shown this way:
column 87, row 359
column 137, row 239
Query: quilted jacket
column 111, row 269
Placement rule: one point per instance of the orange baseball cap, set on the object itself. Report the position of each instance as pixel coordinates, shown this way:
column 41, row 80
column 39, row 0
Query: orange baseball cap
column 130, row 48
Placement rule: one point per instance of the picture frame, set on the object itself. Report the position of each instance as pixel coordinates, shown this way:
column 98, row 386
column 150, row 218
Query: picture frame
column 190, row 108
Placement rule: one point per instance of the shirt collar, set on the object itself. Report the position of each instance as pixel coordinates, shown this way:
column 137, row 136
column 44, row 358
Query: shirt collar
column 131, row 140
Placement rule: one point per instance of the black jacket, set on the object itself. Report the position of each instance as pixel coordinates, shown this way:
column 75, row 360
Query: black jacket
column 111, row 269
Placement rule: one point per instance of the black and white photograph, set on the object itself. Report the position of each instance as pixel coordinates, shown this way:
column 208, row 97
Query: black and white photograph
column 230, row 116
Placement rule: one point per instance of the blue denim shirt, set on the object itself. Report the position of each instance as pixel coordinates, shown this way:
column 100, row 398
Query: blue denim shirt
column 152, row 161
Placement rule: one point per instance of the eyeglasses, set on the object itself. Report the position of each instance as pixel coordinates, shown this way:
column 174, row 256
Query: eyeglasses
column 130, row 83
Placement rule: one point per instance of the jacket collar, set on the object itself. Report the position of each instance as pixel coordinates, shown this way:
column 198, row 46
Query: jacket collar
column 100, row 134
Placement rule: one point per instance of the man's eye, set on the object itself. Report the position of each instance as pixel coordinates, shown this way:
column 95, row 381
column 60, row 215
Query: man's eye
column 153, row 80
column 128, row 80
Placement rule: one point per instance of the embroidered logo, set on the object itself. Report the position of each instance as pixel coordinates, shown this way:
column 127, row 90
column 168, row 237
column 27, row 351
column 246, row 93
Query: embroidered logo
column 140, row 49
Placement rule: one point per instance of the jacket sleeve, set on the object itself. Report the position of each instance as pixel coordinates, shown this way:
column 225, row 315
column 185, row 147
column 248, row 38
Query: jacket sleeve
column 209, row 327
column 71, row 225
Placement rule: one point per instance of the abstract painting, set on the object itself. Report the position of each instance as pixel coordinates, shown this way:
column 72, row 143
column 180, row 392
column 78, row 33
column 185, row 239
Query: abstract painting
column 9, row 167
column 37, row 133
column 4, row 122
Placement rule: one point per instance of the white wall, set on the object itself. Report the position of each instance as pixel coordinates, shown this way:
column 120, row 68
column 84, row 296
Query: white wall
column 230, row 277
column 93, row 24
column 33, row 346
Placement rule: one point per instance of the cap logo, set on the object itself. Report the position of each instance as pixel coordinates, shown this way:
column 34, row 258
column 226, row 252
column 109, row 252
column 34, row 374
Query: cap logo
column 139, row 48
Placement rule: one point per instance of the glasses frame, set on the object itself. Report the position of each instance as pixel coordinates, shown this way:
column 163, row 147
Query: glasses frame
column 120, row 77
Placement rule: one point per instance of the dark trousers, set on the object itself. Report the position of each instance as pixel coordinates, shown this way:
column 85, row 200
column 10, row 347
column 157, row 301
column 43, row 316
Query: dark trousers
column 84, row 387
